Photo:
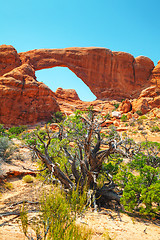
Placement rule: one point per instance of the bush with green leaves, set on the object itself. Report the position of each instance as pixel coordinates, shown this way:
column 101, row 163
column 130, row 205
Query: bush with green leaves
column 55, row 221
column 122, row 169
column 141, row 191
column 124, row 118
column 155, row 129
column 3, row 131
column 15, row 131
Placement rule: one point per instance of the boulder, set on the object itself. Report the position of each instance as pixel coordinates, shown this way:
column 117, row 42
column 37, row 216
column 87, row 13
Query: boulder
column 125, row 106
column 67, row 94
column 140, row 105
column 116, row 114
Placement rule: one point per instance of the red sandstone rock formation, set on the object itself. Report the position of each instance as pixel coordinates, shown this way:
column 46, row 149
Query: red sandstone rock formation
column 108, row 74
column 67, row 94
column 125, row 106
column 23, row 100
column 9, row 59
column 113, row 75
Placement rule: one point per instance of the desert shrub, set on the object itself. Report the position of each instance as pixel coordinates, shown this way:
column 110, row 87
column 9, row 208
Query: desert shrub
column 155, row 129
column 124, row 118
column 58, row 117
column 8, row 185
column 6, row 148
column 28, row 179
column 16, row 130
column 55, row 221
column 139, row 112
column 143, row 117
column 108, row 116
column 116, row 105
column 141, row 192
column 3, row 131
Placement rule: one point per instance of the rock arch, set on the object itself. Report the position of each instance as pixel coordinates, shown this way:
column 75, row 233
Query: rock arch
column 24, row 100
column 108, row 74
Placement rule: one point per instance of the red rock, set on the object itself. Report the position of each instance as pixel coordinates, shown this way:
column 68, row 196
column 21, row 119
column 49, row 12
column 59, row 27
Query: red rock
column 68, row 94
column 108, row 74
column 140, row 105
column 129, row 115
column 120, row 129
column 116, row 123
column 9, row 59
column 23, row 99
column 155, row 76
column 112, row 75
column 125, row 106
column 107, row 123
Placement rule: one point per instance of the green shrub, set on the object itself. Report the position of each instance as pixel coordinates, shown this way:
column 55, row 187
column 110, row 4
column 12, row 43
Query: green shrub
column 56, row 221
column 143, row 117
column 58, row 117
column 28, row 179
column 8, row 185
column 139, row 112
column 116, row 105
column 124, row 118
column 3, row 131
column 17, row 130
column 155, row 129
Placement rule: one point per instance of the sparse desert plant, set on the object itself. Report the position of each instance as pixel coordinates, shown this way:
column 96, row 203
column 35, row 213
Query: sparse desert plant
column 58, row 117
column 3, row 131
column 55, row 221
column 155, row 129
column 124, row 118
column 143, row 117
column 28, row 179
column 75, row 157
column 139, row 112
column 8, row 185
column 116, row 105
column 6, row 148
column 15, row 131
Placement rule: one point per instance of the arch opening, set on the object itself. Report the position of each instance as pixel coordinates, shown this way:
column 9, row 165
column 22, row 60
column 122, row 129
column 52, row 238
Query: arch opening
column 63, row 77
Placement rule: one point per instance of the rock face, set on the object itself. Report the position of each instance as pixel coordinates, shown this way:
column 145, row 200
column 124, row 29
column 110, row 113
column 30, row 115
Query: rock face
column 108, row 74
column 67, row 94
column 9, row 59
column 23, row 99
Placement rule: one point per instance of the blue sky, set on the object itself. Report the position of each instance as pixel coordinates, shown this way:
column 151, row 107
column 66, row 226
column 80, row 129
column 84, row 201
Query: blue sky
column 120, row 25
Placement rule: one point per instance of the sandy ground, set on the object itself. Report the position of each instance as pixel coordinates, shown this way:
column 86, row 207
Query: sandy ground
column 105, row 224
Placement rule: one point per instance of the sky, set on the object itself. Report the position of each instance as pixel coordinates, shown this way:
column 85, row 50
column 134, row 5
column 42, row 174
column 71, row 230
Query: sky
column 119, row 25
